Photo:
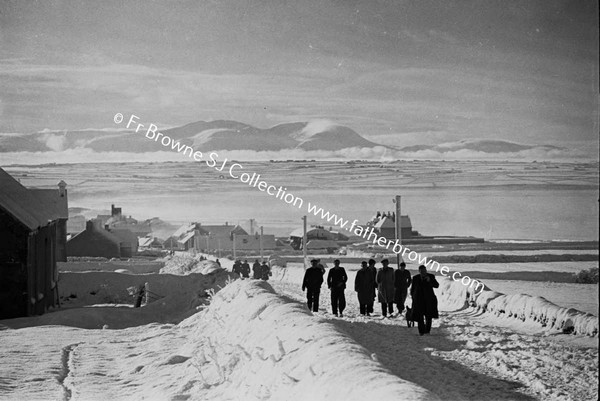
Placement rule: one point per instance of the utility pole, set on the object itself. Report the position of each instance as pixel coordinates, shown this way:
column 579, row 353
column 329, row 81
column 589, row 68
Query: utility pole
column 234, row 257
column 304, row 241
column 261, row 244
column 398, row 226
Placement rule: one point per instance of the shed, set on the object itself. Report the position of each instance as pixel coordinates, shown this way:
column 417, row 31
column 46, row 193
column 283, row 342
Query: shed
column 31, row 238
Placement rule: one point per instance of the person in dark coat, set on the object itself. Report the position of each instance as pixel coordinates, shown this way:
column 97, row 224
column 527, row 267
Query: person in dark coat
column 402, row 281
column 245, row 269
column 265, row 271
column 336, row 281
column 313, row 278
column 373, row 270
column 424, row 300
column 257, row 270
column 363, row 285
column 385, row 288
column 237, row 266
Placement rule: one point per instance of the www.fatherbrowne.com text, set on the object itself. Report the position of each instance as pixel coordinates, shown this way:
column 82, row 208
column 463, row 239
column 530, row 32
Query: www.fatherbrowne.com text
column 252, row 179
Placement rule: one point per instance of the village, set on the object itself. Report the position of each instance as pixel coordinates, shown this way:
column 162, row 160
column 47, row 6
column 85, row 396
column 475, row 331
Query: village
column 79, row 291
column 42, row 236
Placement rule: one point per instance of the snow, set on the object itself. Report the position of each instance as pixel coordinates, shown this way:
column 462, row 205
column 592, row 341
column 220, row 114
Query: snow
column 248, row 344
column 471, row 354
column 185, row 263
column 526, row 308
column 583, row 297
column 257, row 340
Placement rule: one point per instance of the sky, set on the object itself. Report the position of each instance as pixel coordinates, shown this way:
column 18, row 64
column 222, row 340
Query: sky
column 397, row 72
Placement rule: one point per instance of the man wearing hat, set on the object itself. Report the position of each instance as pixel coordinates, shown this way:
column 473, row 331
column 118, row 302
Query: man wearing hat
column 313, row 278
column 402, row 280
column 336, row 281
column 385, row 288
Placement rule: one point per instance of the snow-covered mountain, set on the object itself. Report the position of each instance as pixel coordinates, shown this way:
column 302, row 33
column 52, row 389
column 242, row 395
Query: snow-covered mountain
column 478, row 145
column 227, row 135
column 213, row 135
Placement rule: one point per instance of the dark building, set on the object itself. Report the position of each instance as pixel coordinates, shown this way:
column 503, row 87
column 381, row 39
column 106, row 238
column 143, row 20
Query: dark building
column 386, row 227
column 312, row 233
column 32, row 240
column 94, row 241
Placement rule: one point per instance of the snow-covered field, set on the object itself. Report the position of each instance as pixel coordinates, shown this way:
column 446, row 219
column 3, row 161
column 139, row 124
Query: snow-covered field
column 258, row 341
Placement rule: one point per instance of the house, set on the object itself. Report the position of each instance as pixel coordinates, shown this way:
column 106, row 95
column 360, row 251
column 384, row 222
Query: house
column 57, row 208
column 98, row 242
column 116, row 220
column 252, row 242
column 32, row 240
column 312, row 233
column 150, row 241
column 128, row 241
column 183, row 239
column 219, row 236
column 385, row 226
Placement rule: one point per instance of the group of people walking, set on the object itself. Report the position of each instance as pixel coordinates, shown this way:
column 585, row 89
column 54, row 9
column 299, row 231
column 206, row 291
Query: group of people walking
column 336, row 282
column 259, row 271
column 389, row 286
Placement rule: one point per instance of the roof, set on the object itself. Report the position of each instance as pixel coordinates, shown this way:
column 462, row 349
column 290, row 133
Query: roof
column 184, row 229
column 221, row 230
column 145, row 241
column 57, row 205
column 389, row 223
column 185, row 238
column 299, row 232
column 23, row 204
column 93, row 228
column 124, row 234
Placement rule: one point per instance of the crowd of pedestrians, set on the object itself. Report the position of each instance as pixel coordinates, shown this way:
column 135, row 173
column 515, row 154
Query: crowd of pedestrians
column 260, row 271
column 390, row 287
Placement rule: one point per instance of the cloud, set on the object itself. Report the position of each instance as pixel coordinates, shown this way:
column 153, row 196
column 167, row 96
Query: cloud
column 84, row 155
column 54, row 142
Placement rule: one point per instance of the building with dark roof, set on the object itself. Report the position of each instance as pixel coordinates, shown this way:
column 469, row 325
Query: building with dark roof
column 312, row 233
column 104, row 242
column 385, row 227
column 32, row 239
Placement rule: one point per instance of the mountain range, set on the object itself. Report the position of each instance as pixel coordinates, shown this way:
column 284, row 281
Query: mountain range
column 233, row 135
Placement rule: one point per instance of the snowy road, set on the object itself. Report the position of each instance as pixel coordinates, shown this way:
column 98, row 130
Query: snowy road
column 253, row 343
column 468, row 356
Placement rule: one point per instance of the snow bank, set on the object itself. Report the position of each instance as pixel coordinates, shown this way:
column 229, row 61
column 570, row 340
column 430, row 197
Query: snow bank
column 187, row 263
column 172, row 298
column 132, row 265
column 253, row 344
column 529, row 309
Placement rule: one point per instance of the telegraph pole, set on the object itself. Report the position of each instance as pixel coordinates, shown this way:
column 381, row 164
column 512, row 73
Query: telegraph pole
column 398, row 226
column 261, row 244
column 304, row 241
column 234, row 257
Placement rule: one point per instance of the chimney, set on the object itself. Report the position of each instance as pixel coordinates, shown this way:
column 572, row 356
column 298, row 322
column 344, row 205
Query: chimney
column 62, row 189
column 89, row 225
